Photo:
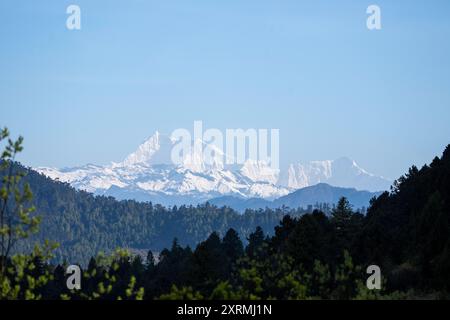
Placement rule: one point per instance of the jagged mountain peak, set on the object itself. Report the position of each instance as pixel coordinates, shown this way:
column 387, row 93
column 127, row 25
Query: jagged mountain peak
column 342, row 172
column 260, row 171
column 154, row 150
column 149, row 173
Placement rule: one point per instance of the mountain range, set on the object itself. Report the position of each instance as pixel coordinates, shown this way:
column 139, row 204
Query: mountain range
column 148, row 174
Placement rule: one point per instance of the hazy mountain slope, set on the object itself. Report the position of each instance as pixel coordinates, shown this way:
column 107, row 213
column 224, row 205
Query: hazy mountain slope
column 320, row 193
column 84, row 224
column 324, row 193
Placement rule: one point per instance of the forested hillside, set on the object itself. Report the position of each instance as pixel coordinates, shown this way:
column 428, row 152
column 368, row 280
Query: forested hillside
column 84, row 224
column 306, row 255
column 315, row 256
column 408, row 230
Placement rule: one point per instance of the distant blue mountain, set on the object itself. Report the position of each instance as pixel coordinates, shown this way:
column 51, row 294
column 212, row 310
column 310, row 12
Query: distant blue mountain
column 319, row 193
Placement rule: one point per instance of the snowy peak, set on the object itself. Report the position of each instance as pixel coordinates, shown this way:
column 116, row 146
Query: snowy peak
column 153, row 151
column 157, row 150
column 203, row 158
column 259, row 171
column 346, row 165
column 149, row 174
column 301, row 175
column 342, row 172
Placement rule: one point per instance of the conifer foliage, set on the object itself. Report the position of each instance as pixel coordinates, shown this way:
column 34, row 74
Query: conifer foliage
column 216, row 253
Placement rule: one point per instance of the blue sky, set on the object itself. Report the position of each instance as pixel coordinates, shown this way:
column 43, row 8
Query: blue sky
column 309, row 68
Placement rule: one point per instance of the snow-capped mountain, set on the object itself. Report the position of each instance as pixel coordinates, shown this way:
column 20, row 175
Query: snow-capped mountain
column 342, row 172
column 148, row 174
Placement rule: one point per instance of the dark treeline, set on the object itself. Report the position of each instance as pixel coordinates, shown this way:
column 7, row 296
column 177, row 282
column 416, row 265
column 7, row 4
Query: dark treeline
column 84, row 224
column 306, row 256
column 405, row 232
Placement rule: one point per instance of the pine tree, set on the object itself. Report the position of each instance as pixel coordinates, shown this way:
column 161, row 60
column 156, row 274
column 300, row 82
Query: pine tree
column 232, row 245
column 255, row 243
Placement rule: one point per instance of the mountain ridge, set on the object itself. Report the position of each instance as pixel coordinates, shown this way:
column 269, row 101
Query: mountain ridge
column 149, row 175
column 308, row 196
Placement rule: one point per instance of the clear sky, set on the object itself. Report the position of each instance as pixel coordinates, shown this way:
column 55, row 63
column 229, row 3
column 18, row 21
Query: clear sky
column 310, row 68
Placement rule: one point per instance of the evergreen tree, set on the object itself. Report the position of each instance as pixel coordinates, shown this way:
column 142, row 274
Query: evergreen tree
column 232, row 245
column 255, row 245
